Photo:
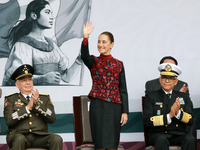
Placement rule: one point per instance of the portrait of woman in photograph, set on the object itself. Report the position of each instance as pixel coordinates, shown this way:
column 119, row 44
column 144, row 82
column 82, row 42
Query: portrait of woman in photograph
column 29, row 46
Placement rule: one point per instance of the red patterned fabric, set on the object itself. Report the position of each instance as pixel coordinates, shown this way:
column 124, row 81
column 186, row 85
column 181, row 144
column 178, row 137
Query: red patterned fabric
column 105, row 73
column 85, row 41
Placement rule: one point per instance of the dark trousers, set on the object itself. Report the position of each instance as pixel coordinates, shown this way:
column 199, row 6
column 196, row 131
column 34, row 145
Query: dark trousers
column 192, row 129
column 162, row 141
column 20, row 141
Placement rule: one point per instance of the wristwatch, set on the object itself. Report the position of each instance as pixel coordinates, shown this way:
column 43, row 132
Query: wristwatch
column 38, row 103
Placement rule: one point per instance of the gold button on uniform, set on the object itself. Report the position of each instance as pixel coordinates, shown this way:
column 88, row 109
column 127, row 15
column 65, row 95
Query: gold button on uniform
column 30, row 115
column 17, row 109
column 30, row 123
column 152, row 118
column 165, row 131
column 37, row 114
column 165, row 125
column 30, row 130
column 176, row 125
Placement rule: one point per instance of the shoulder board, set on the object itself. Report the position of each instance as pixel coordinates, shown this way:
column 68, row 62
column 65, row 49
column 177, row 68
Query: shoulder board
column 11, row 94
column 44, row 94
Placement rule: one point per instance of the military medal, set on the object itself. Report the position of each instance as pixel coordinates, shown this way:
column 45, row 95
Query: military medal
column 182, row 102
column 19, row 104
column 158, row 112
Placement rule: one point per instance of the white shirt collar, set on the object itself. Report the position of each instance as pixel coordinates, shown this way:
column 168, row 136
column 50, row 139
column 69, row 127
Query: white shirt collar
column 26, row 95
column 167, row 92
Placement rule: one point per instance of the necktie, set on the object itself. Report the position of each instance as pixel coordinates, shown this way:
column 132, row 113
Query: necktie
column 28, row 98
column 169, row 95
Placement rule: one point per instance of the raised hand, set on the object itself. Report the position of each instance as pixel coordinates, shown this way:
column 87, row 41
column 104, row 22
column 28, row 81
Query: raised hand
column 175, row 108
column 87, row 29
column 172, row 111
column 35, row 95
column 177, row 105
column 184, row 89
column 30, row 104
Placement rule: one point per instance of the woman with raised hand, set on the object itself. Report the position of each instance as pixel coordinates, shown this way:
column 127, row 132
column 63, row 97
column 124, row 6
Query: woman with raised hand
column 109, row 98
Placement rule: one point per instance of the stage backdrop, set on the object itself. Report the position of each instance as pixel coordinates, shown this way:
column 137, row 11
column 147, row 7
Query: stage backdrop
column 144, row 32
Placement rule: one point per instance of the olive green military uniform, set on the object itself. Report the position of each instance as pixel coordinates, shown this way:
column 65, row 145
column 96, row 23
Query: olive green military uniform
column 31, row 127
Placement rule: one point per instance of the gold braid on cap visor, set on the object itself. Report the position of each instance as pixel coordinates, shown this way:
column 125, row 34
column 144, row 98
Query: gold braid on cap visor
column 165, row 73
column 28, row 74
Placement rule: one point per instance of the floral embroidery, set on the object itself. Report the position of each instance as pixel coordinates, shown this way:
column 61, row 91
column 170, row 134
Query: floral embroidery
column 105, row 75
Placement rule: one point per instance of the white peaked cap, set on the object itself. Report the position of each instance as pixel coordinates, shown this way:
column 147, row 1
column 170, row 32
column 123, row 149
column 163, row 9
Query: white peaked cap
column 169, row 69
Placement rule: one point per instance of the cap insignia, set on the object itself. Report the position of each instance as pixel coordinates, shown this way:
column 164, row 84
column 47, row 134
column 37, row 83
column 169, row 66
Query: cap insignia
column 168, row 68
column 25, row 69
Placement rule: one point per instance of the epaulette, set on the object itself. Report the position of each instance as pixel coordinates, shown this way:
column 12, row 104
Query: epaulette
column 11, row 94
column 44, row 94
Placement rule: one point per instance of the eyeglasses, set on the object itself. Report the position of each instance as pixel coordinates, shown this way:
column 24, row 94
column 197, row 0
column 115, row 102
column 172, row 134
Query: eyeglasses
column 169, row 78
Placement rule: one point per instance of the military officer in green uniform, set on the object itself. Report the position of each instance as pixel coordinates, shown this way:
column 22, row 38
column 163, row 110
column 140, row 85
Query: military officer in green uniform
column 27, row 113
column 167, row 112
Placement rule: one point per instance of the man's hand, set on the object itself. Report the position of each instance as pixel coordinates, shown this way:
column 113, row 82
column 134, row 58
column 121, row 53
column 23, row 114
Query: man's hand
column 184, row 89
column 30, row 104
column 175, row 108
column 177, row 105
column 35, row 96
column 33, row 100
column 172, row 111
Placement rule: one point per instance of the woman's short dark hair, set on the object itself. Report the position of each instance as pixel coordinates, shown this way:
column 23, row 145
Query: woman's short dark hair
column 110, row 35
column 168, row 57
column 24, row 27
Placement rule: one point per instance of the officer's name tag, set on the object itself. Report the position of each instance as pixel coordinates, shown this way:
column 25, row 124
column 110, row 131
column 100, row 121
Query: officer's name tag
column 159, row 103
